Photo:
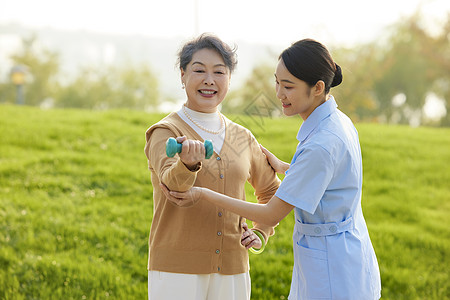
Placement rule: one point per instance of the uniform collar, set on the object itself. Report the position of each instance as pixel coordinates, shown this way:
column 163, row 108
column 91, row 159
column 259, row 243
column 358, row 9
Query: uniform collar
column 320, row 113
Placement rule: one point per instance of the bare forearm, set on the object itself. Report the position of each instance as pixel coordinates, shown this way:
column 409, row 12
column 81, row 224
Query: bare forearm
column 269, row 213
column 260, row 213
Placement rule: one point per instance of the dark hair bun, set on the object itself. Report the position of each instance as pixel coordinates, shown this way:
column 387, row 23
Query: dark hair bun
column 337, row 76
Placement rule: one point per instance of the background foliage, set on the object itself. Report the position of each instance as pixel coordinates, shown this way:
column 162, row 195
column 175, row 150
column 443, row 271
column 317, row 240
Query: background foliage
column 133, row 87
column 76, row 205
column 406, row 61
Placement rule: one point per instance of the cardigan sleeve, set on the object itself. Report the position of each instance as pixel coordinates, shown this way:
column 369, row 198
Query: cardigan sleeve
column 170, row 170
column 265, row 182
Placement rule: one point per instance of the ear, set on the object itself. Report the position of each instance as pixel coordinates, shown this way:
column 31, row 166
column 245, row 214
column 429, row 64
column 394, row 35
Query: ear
column 319, row 88
column 182, row 74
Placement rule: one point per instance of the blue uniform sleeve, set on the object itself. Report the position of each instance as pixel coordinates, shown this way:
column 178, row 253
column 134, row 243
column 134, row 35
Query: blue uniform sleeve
column 307, row 178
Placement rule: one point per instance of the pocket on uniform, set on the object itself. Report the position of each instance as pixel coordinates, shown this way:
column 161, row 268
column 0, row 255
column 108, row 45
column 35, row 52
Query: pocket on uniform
column 313, row 266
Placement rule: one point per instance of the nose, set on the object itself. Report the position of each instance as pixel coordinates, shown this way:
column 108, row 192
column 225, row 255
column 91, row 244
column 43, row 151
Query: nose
column 280, row 95
column 208, row 80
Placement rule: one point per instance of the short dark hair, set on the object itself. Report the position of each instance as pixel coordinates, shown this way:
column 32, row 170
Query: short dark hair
column 310, row 61
column 207, row 41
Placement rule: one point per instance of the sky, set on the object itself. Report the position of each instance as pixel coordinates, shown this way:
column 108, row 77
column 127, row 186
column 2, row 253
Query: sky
column 278, row 22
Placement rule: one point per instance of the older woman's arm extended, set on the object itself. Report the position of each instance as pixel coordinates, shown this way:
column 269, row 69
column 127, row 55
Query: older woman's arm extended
column 270, row 213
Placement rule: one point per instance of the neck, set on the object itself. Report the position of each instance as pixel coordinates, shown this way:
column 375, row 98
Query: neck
column 318, row 101
column 206, row 110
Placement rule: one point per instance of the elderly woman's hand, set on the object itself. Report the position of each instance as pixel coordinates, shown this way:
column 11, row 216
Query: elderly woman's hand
column 249, row 239
column 192, row 153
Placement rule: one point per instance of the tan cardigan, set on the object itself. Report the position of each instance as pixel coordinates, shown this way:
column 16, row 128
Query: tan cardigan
column 203, row 238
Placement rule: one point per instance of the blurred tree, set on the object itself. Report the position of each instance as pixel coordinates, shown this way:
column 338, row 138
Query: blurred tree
column 43, row 66
column 87, row 90
column 257, row 90
column 94, row 88
column 136, row 88
column 7, row 92
column 360, row 68
column 412, row 62
column 441, row 61
column 408, row 64
column 114, row 87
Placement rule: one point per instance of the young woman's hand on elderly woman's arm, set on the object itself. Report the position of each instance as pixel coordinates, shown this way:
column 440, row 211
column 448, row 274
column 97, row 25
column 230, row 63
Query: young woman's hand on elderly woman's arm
column 277, row 165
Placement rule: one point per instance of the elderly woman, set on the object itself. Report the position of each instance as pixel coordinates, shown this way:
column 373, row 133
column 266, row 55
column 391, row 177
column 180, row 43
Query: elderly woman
column 198, row 250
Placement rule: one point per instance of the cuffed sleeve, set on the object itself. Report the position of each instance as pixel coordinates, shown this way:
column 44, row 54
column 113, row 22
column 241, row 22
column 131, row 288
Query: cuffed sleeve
column 178, row 177
column 171, row 171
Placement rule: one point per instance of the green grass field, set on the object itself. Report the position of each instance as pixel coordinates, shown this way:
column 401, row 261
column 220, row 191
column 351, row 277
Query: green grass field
column 76, row 206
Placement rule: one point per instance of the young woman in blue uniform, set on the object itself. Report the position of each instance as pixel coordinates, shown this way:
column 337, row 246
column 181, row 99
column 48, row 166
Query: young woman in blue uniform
column 333, row 254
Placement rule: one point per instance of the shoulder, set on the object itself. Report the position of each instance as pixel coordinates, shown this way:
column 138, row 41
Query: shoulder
column 335, row 135
column 171, row 122
column 167, row 120
column 337, row 128
column 237, row 129
column 325, row 138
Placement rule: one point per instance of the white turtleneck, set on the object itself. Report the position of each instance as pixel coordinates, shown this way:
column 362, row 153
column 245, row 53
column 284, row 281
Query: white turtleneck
column 211, row 121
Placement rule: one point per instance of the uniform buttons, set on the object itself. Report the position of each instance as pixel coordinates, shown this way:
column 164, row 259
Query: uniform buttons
column 218, row 268
column 219, row 214
column 317, row 230
column 219, row 233
column 333, row 229
column 221, row 176
column 217, row 251
column 218, row 158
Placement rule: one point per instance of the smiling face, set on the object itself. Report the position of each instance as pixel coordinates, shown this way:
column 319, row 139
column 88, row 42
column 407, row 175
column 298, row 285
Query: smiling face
column 296, row 96
column 206, row 80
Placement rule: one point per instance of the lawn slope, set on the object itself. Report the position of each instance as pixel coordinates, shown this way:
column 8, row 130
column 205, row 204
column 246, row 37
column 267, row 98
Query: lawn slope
column 76, row 206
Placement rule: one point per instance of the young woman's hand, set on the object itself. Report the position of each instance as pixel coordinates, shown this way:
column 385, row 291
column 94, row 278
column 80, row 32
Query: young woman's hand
column 249, row 238
column 192, row 152
column 277, row 165
column 182, row 198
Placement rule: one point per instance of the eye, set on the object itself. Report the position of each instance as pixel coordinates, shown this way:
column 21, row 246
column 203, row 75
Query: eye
column 220, row 71
column 199, row 71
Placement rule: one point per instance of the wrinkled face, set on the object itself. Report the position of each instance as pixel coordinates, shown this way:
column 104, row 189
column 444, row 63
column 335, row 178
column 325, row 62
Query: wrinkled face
column 295, row 95
column 206, row 80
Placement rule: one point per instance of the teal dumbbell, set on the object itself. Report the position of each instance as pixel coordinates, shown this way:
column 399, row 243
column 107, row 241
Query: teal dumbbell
column 172, row 147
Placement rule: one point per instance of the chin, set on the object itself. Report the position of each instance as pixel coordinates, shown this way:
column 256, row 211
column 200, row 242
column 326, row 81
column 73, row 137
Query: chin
column 288, row 113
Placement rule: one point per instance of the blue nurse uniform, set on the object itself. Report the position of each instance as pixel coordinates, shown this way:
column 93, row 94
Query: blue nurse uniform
column 333, row 254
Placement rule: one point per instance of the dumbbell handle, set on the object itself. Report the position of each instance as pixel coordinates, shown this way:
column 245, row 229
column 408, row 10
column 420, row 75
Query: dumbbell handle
column 173, row 147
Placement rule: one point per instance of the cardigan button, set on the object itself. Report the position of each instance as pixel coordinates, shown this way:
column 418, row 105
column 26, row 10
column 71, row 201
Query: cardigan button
column 217, row 251
column 219, row 233
column 219, row 214
column 221, row 176
column 218, row 158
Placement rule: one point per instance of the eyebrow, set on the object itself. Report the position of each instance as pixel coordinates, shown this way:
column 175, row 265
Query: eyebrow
column 200, row 63
column 284, row 80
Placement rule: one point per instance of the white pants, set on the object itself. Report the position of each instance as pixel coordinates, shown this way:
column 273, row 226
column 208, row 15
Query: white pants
column 175, row 286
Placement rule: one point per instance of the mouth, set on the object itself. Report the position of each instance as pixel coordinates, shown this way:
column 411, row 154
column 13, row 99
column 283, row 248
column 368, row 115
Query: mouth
column 285, row 104
column 207, row 93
